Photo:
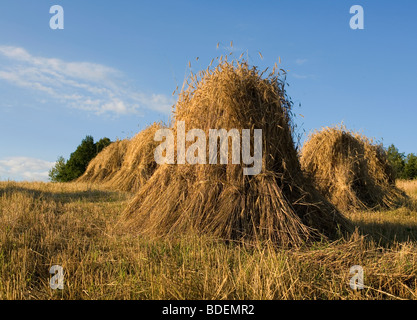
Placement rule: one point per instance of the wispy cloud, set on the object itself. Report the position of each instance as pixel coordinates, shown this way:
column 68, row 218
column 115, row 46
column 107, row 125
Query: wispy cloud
column 24, row 168
column 300, row 61
column 83, row 85
column 300, row 76
column 303, row 76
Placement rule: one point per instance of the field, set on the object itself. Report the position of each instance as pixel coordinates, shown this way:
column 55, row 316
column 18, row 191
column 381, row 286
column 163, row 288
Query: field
column 72, row 225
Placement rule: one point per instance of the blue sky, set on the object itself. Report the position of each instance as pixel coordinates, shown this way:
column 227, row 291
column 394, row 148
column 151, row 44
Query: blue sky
column 113, row 68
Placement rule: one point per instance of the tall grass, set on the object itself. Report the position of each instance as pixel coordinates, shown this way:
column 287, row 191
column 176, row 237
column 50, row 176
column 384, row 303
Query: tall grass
column 71, row 225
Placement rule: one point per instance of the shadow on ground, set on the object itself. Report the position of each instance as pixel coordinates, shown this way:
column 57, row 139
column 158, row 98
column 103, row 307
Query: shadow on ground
column 388, row 233
column 66, row 196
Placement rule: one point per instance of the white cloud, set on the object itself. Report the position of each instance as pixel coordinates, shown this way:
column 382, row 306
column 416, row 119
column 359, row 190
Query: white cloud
column 300, row 61
column 300, row 76
column 82, row 85
column 158, row 102
column 303, row 76
column 24, row 168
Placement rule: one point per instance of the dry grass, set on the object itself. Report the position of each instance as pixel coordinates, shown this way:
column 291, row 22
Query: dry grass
column 42, row 224
column 278, row 204
column 350, row 170
column 409, row 186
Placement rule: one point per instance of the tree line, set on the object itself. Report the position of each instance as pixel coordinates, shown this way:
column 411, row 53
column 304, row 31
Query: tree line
column 65, row 171
column 405, row 166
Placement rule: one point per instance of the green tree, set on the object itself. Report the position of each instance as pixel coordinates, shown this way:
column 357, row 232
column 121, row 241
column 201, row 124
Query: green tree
column 65, row 171
column 396, row 160
column 101, row 144
column 79, row 159
column 410, row 168
column 57, row 173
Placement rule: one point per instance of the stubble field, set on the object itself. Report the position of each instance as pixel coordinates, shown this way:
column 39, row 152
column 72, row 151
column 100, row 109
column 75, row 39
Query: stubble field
column 73, row 225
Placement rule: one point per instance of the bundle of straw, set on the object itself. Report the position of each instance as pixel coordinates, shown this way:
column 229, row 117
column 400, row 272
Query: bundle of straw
column 106, row 164
column 350, row 170
column 138, row 161
column 278, row 205
column 124, row 165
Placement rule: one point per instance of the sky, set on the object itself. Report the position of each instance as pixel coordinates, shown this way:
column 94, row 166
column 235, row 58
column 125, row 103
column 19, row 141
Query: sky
column 113, row 68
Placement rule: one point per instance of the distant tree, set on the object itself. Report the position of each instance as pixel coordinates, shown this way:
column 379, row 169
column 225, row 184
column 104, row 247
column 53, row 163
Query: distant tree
column 79, row 159
column 396, row 160
column 101, row 144
column 56, row 174
column 410, row 169
column 65, row 171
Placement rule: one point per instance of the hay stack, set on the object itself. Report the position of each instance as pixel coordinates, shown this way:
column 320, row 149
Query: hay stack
column 138, row 161
column 105, row 165
column 278, row 204
column 125, row 165
column 350, row 170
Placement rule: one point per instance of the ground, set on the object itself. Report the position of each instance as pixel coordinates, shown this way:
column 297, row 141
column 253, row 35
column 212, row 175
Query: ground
column 75, row 226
